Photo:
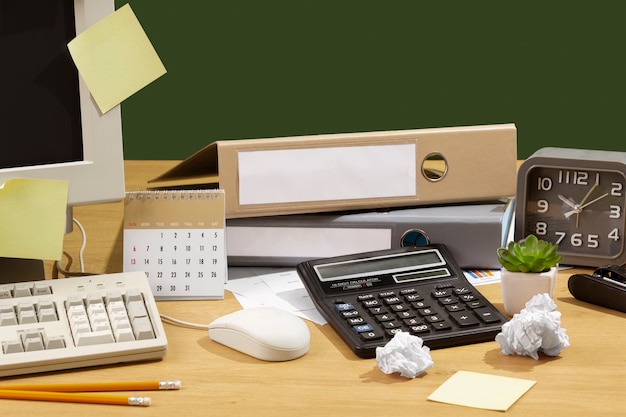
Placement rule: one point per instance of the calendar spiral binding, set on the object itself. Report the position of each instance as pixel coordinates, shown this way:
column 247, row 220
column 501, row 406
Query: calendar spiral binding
column 174, row 195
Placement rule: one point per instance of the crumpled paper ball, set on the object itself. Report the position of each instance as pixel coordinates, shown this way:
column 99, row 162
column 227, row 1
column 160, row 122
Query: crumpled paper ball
column 537, row 328
column 404, row 353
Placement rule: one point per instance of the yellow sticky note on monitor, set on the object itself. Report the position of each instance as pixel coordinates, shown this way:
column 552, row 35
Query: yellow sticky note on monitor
column 32, row 218
column 115, row 58
column 491, row 392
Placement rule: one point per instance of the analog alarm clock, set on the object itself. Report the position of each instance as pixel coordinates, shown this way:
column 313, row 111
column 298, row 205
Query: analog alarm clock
column 577, row 199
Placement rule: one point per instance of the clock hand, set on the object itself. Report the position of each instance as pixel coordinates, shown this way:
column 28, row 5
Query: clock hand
column 580, row 208
column 588, row 193
column 568, row 202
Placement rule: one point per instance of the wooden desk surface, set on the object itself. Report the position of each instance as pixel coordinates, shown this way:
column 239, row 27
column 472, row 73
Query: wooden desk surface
column 588, row 378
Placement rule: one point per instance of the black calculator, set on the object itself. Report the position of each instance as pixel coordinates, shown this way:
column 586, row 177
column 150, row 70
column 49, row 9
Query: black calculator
column 369, row 297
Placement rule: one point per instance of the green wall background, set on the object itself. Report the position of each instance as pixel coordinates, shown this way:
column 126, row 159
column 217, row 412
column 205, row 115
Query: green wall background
column 248, row 69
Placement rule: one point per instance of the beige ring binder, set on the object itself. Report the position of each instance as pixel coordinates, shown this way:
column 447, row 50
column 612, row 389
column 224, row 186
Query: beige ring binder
column 334, row 172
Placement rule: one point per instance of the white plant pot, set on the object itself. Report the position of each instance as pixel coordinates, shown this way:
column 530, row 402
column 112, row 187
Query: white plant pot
column 519, row 287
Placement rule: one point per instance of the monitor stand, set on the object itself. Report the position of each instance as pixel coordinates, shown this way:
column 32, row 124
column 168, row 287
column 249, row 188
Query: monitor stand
column 18, row 270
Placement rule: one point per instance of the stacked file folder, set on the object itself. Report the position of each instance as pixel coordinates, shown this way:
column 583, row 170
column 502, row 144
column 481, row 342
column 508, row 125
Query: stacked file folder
column 299, row 198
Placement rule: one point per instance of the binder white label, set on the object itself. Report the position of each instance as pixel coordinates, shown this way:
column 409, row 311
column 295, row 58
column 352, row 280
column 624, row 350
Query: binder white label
column 320, row 174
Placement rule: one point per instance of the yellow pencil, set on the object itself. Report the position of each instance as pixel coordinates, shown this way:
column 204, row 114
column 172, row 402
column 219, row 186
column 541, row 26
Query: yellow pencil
column 74, row 397
column 97, row 386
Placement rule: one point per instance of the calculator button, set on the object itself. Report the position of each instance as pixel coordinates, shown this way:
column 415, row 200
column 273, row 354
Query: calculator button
column 392, row 332
column 399, row 307
column 475, row 304
column 378, row 310
column 419, row 328
column 363, row 328
column 386, row 294
column 420, row 304
column 442, row 325
column 467, row 297
column 392, row 300
column 426, row 311
column 413, row 297
column 442, row 292
column 455, row 307
column 343, row 307
column 448, row 300
column 372, row 335
column 349, row 314
column 487, row 315
column 371, row 303
column 384, row 317
column 406, row 314
column 391, row 324
column 413, row 321
column 461, row 290
column 355, row 321
column 465, row 318
column 433, row 318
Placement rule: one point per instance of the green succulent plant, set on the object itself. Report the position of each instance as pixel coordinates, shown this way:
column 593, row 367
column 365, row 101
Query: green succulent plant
column 529, row 255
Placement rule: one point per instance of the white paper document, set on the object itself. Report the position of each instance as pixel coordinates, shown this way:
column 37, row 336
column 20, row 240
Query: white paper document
column 272, row 287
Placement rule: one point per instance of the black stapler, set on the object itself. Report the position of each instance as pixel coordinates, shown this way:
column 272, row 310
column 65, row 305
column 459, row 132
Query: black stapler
column 606, row 287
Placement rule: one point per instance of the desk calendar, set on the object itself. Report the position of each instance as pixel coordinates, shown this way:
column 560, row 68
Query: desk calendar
column 177, row 238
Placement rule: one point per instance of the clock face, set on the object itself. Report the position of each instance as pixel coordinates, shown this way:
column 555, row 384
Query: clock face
column 581, row 209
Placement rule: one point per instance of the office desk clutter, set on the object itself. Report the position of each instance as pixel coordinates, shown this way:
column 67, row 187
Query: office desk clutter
column 177, row 238
column 529, row 267
column 265, row 333
column 368, row 298
column 470, row 231
column 535, row 329
column 406, row 354
column 354, row 171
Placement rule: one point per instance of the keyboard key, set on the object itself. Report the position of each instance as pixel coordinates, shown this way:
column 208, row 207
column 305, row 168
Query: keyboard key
column 54, row 342
column 12, row 346
column 41, row 288
column 32, row 341
column 6, row 291
column 23, row 289
column 94, row 338
column 8, row 319
column 136, row 309
column 143, row 328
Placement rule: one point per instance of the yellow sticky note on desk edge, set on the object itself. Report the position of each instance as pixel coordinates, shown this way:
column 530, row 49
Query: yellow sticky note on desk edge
column 115, row 58
column 490, row 392
column 32, row 218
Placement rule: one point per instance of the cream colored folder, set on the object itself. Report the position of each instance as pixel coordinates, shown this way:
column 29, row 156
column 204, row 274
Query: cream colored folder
column 322, row 173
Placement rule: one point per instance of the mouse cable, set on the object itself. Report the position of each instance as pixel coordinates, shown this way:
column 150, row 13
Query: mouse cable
column 181, row 323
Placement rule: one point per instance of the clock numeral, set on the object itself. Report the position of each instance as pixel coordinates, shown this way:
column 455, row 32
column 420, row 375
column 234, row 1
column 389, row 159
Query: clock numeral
column 577, row 240
column 541, row 228
column 616, row 212
column 593, row 241
column 574, row 177
column 616, row 189
column 542, row 206
column 544, row 183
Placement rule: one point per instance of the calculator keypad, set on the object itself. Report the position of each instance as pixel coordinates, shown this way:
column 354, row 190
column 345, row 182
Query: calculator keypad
column 420, row 311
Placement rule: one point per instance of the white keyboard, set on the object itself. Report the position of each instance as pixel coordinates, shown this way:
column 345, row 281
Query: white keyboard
column 77, row 322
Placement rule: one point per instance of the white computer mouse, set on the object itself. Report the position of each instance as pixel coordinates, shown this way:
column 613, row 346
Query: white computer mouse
column 266, row 333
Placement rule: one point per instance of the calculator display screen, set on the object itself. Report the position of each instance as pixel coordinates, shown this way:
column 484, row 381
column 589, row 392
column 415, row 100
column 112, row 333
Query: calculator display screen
column 379, row 265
